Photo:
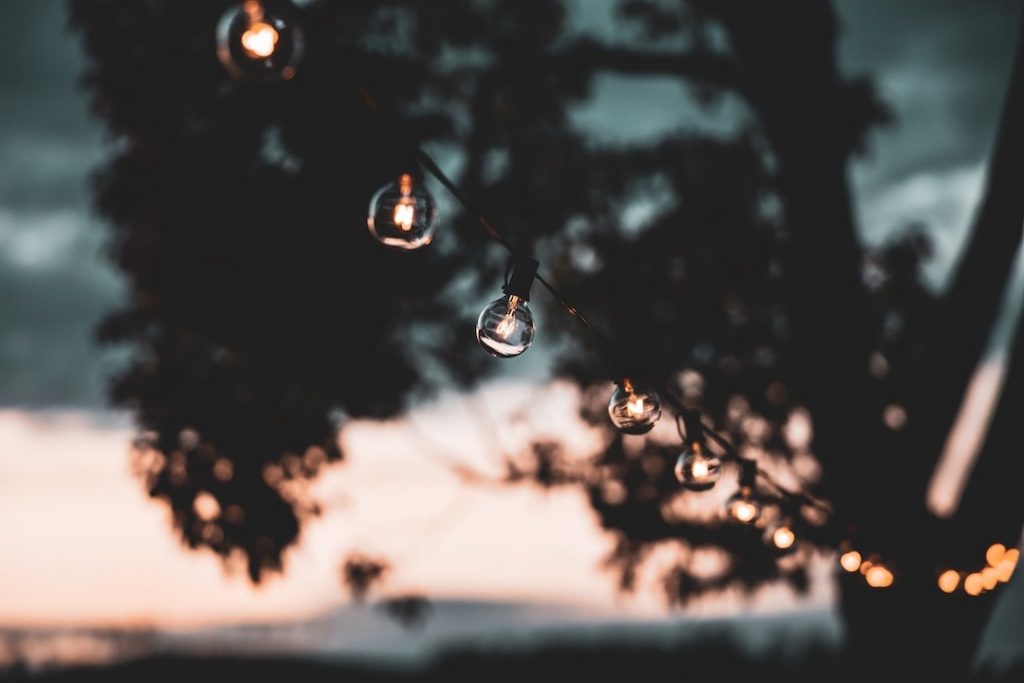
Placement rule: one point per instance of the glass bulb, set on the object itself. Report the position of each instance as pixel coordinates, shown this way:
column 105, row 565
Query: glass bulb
column 742, row 507
column 253, row 42
column 505, row 328
column 851, row 561
column 697, row 470
column 879, row 576
column 403, row 214
column 949, row 580
column 783, row 537
column 634, row 408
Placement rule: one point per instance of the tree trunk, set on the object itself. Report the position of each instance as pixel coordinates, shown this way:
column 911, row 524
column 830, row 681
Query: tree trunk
column 913, row 623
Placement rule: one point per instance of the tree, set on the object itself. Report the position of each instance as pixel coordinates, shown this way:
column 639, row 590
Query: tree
column 260, row 311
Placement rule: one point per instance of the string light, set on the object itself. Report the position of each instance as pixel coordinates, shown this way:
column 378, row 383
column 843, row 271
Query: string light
column 260, row 40
column 1008, row 564
column 974, row 584
column 742, row 507
column 253, row 42
column 989, row 578
column 879, row 576
column 403, row 214
column 995, row 554
column 634, row 408
column 505, row 327
column 850, row 561
column 697, row 471
column 784, row 538
column 949, row 580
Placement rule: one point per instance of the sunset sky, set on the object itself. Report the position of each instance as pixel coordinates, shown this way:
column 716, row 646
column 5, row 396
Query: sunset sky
column 84, row 545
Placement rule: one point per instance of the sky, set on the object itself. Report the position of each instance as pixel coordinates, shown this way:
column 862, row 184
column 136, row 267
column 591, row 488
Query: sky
column 64, row 469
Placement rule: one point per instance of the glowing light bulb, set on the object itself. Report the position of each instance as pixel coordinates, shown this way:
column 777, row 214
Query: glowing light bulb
column 505, row 327
column 260, row 40
column 850, row 561
column 634, row 408
column 879, row 576
column 974, row 584
column 403, row 214
column 1008, row 564
column 742, row 507
column 995, row 553
column 783, row 538
column 253, row 42
column 949, row 580
column 696, row 470
column 989, row 577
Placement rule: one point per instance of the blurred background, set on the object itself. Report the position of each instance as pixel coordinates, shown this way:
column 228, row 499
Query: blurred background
column 392, row 506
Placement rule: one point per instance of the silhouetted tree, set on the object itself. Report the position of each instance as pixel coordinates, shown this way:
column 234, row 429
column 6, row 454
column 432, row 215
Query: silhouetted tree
column 261, row 313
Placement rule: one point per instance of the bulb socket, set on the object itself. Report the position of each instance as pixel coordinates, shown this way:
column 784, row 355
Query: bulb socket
column 524, row 270
column 691, row 423
column 748, row 473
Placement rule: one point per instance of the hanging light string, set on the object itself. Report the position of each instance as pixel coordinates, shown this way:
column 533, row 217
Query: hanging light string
column 492, row 231
column 682, row 412
column 253, row 43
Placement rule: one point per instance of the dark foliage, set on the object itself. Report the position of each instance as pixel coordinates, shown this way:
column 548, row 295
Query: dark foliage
column 260, row 308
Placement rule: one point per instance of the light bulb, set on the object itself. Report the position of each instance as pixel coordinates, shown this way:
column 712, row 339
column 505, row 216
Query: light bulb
column 974, row 584
column 1008, row 564
column 879, row 576
column 742, row 507
column 260, row 40
column 696, row 470
column 505, row 327
column 403, row 214
column 254, row 42
column 949, row 580
column 995, row 553
column 634, row 408
column 851, row 561
column 783, row 537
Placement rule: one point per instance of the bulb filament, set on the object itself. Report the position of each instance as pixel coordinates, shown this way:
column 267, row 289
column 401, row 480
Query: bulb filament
column 405, row 215
column 699, row 469
column 405, row 209
column 507, row 326
column 635, row 405
column 260, row 39
column 783, row 537
column 745, row 511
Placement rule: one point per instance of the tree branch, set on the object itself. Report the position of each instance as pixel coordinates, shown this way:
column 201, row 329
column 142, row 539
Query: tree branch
column 702, row 67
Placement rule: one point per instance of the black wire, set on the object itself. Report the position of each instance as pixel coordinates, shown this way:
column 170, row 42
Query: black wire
column 492, row 231
column 434, row 169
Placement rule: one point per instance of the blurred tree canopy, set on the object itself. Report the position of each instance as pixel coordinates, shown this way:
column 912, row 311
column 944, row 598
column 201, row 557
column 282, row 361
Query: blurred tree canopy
column 723, row 259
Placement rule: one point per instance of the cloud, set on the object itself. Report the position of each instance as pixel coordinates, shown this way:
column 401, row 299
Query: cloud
column 56, row 287
column 944, row 201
